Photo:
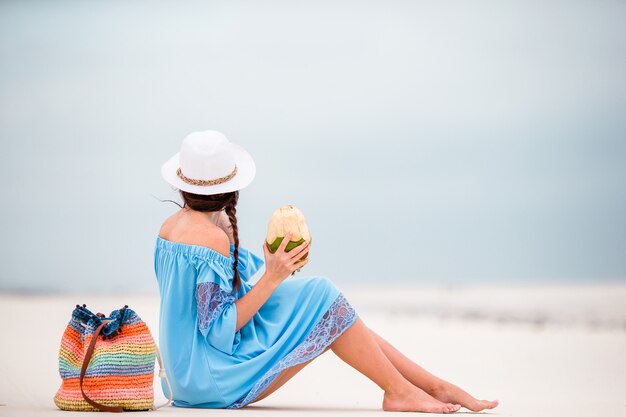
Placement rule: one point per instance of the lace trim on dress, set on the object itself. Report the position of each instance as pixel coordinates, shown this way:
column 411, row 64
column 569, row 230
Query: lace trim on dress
column 335, row 321
column 211, row 300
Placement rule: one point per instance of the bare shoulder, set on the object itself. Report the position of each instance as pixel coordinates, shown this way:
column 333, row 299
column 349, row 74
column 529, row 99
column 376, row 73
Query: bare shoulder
column 193, row 229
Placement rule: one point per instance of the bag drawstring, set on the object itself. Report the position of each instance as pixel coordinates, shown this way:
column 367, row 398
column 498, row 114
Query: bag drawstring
column 163, row 376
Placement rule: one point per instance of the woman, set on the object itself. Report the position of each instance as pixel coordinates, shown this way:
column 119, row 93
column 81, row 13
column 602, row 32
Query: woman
column 227, row 343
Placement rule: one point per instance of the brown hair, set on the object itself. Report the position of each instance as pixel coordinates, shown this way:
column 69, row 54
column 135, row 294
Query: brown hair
column 217, row 202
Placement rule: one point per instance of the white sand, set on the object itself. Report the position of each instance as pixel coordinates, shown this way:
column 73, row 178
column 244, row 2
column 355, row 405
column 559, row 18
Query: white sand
column 555, row 350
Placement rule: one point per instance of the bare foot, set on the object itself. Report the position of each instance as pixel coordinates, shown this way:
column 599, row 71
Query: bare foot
column 446, row 392
column 414, row 399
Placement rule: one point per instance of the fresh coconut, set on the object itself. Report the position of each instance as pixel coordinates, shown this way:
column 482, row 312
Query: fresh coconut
column 287, row 219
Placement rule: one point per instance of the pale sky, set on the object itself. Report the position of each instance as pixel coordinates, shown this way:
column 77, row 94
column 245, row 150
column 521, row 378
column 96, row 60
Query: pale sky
column 426, row 142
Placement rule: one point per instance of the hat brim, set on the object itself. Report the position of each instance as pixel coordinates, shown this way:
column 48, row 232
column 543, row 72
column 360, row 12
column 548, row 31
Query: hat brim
column 246, row 170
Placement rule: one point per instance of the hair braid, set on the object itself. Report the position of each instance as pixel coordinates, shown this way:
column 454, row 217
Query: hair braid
column 231, row 211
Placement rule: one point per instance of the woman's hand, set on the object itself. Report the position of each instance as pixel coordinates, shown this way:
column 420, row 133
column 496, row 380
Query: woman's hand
column 278, row 266
column 281, row 264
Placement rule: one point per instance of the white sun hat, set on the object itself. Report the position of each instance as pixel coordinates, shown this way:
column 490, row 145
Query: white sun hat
column 208, row 163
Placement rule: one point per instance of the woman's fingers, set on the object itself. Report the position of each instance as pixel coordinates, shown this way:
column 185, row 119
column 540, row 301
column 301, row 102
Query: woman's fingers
column 299, row 251
column 298, row 266
column 283, row 243
column 284, row 263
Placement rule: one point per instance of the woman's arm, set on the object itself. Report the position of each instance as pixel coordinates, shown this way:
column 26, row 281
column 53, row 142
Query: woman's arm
column 278, row 266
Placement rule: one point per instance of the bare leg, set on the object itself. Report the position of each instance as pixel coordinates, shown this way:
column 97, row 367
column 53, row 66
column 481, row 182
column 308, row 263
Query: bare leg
column 400, row 394
column 433, row 385
column 357, row 346
column 283, row 377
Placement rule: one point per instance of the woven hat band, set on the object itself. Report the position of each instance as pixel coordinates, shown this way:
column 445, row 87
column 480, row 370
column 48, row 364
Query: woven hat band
column 204, row 183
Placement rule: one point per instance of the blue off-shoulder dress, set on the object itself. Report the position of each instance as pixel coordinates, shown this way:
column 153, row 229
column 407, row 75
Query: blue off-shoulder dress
column 209, row 364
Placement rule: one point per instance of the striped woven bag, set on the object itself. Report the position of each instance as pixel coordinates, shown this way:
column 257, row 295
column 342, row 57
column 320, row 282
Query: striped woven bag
column 107, row 363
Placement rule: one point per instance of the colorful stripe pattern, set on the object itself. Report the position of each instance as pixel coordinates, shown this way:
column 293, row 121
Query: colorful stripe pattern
column 121, row 370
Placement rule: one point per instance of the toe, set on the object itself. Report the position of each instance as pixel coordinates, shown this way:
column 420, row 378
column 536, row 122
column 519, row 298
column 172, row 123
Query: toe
column 453, row 407
column 487, row 404
column 480, row 405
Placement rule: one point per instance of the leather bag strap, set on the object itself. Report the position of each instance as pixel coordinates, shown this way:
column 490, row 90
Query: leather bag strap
column 83, row 370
